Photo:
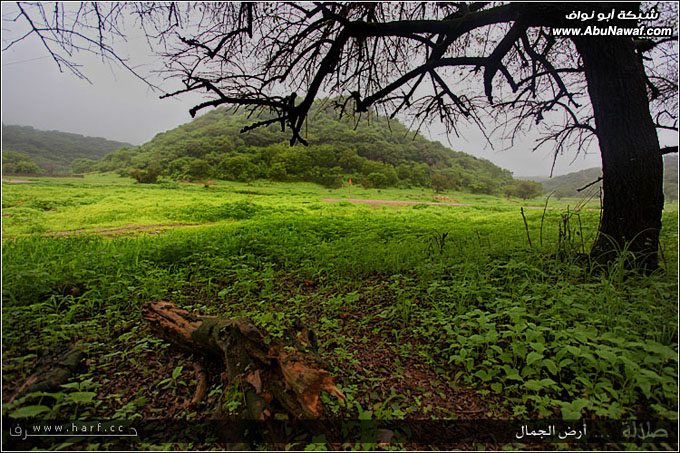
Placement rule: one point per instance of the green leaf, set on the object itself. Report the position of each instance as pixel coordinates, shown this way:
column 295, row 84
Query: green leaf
column 476, row 339
column 664, row 351
column 491, row 336
column 550, row 365
column 496, row 348
column 538, row 347
column 590, row 358
column 565, row 362
column 533, row 357
column 483, row 375
column 607, row 355
column 506, row 357
column 29, row 411
column 573, row 350
column 572, row 410
column 82, row 397
column 560, row 354
column 570, row 414
column 644, row 385
column 176, row 372
column 545, row 382
column 533, row 385
column 513, row 374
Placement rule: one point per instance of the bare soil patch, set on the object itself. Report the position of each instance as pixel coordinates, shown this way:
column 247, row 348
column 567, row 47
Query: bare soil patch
column 209, row 182
column 18, row 181
column 127, row 230
column 549, row 208
column 446, row 199
column 405, row 202
column 389, row 202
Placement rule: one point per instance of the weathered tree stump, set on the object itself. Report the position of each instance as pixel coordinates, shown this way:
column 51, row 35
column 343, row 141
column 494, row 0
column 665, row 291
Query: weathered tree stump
column 288, row 374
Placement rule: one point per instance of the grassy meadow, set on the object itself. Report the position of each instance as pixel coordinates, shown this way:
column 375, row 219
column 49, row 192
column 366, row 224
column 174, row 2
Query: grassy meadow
column 421, row 311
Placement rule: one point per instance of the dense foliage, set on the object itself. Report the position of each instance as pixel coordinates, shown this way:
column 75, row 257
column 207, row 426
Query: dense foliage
column 568, row 185
column 374, row 151
column 423, row 312
column 525, row 189
column 55, row 151
column 18, row 163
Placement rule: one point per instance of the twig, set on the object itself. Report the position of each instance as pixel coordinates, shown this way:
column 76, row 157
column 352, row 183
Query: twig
column 580, row 227
column 588, row 185
column 663, row 257
column 540, row 235
column 526, row 226
column 470, row 411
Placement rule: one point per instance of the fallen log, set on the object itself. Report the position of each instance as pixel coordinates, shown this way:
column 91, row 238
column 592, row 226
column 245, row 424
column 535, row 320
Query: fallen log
column 52, row 374
column 274, row 375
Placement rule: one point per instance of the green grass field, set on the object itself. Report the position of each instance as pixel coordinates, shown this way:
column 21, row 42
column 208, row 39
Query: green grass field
column 422, row 311
column 62, row 204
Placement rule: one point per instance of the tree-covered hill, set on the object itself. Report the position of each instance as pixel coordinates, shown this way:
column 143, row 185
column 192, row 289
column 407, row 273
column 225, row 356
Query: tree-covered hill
column 567, row 185
column 377, row 153
column 55, row 151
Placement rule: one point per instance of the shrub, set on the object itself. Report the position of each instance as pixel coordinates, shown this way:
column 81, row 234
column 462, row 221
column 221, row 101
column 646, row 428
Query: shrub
column 527, row 189
column 375, row 179
column 441, row 182
column 147, row 175
column 13, row 162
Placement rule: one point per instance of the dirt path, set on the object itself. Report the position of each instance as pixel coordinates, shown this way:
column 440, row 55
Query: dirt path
column 111, row 232
column 389, row 202
column 405, row 202
column 126, row 230
column 23, row 181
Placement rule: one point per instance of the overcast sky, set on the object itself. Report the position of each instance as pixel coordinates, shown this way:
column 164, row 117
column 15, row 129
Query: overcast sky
column 119, row 106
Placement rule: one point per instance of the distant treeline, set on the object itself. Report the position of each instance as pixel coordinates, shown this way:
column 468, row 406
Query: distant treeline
column 50, row 151
column 375, row 153
column 568, row 185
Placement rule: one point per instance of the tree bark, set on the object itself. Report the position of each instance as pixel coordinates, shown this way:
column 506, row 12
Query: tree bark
column 52, row 374
column 273, row 375
column 632, row 167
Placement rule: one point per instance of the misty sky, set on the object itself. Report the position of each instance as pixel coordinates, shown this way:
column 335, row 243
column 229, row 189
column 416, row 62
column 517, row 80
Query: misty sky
column 119, row 106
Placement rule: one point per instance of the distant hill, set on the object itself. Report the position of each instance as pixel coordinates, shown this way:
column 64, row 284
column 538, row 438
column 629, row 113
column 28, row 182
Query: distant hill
column 377, row 153
column 670, row 177
column 55, row 151
column 567, row 185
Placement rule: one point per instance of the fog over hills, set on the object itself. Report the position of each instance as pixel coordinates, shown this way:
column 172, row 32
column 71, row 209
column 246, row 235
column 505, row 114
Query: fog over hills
column 55, row 150
column 567, row 185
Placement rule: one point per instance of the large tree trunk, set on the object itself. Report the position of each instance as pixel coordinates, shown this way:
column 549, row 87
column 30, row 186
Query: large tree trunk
column 632, row 167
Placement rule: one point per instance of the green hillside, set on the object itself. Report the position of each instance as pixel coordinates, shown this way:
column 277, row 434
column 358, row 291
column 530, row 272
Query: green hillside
column 375, row 153
column 567, row 185
column 54, row 151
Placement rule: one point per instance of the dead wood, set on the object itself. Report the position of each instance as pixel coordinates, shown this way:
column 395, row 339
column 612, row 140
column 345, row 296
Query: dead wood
column 201, row 385
column 52, row 374
column 277, row 375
